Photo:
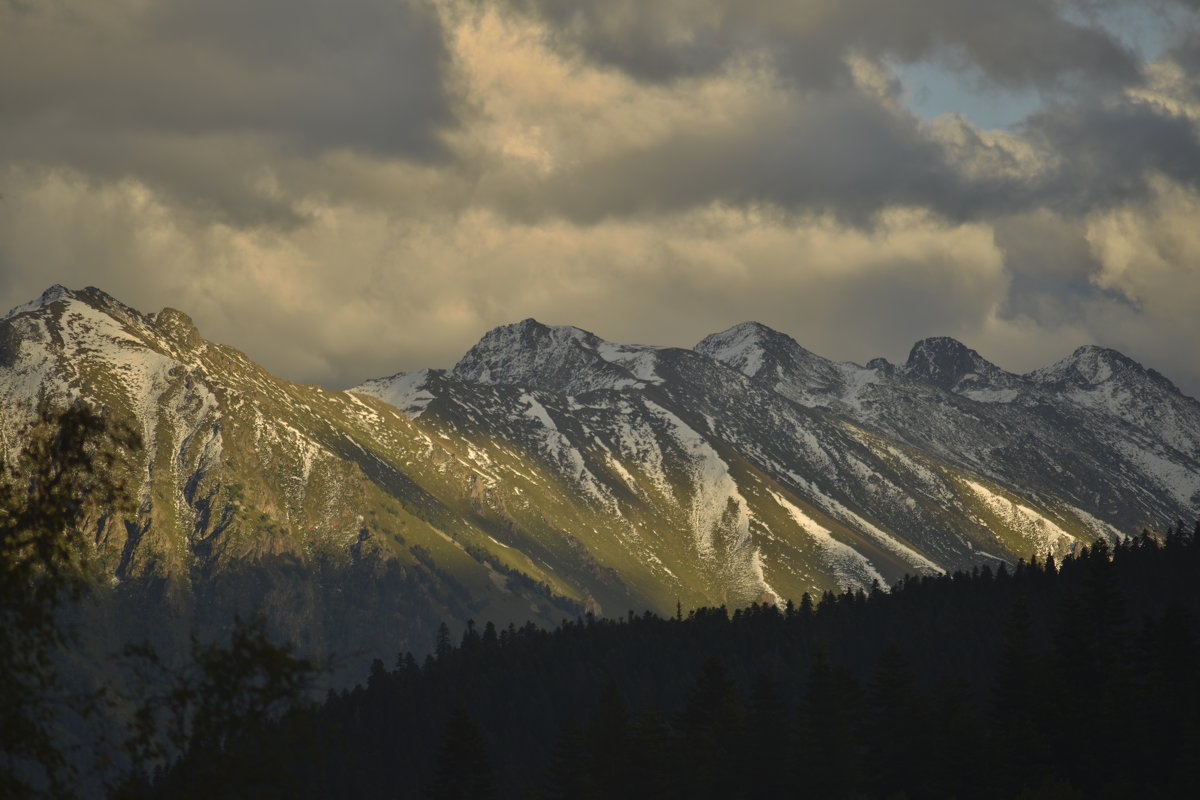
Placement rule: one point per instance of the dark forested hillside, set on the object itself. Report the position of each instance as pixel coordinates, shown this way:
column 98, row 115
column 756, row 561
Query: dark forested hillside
column 1076, row 679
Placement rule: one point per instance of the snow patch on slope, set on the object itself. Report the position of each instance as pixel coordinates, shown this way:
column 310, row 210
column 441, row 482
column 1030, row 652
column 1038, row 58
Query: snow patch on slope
column 857, row 381
column 144, row 373
column 638, row 360
column 537, row 411
column 839, row 511
column 407, row 391
column 638, row 445
column 36, row 370
column 1098, row 526
column 309, row 452
column 1181, row 482
column 1045, row 536
column 992, row 395
column 851, row 568
column 714, row 488
column 565, row 455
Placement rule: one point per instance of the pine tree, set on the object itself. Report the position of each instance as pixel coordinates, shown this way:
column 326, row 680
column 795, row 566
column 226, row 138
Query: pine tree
column 442, row 647
column 770, row 741
column 1169, row 696
column 711, row 727
column 377, row 676
column 471, row 641
column 827, row 761
column 1020, row 698
column 219, row 711
column 570, row 775
column 490, row 639
column 956, row 749
column 806, row 606
column 463, row 767
column 649, row 756
column 896, row 729
column 609, row 739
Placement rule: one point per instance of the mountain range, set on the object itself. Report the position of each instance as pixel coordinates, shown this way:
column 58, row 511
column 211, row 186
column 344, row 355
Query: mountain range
column 551, row 473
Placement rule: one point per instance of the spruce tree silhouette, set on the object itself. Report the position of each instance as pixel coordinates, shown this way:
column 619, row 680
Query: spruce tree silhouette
column 463, row 769
column 1021, row 693
column 711, row 734
column 896, row 729
column 569, row 776
column 610, row 746
column 828, row 753
column 769, row 741
column 948, row 719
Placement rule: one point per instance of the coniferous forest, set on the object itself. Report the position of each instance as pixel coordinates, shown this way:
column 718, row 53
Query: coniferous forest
column 1076, row 679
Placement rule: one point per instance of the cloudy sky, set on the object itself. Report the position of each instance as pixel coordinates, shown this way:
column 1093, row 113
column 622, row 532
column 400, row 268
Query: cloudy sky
column 349, row 189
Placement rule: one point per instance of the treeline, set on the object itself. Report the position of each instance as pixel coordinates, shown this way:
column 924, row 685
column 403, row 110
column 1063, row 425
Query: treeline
column 1079, row 679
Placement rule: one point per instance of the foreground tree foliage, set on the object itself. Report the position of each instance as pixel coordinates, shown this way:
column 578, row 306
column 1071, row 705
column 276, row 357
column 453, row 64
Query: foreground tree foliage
column 1047, row 681
column 56, row 497
column 49, row 492
column 221, row 707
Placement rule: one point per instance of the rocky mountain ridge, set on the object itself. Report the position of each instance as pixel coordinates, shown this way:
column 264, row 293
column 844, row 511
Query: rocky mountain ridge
column 551, row 472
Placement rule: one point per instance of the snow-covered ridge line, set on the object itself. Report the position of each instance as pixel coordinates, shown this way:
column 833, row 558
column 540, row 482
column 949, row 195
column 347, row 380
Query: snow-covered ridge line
column 55, row 292
column 599, row 461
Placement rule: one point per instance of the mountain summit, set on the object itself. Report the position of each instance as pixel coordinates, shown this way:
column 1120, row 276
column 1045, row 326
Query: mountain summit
column 1116, row 387
column 1091, row 366
column 554, row 358
column 773, row 358
column 949, row 364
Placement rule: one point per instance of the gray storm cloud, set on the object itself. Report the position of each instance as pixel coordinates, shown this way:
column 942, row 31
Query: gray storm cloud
column 838, row 151
column 197, row 96
column 1016, row 43
column 346, row 189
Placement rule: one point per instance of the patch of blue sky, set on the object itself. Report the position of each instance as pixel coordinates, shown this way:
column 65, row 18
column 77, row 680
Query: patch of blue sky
column 931, row 89
column 935, row 87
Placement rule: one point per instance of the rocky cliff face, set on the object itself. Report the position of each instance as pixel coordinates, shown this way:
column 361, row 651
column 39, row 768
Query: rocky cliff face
column 551, row 471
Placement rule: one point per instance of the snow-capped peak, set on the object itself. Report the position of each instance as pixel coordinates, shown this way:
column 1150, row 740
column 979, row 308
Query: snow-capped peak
column 559, row 358
column 55, row 292
column 748, row 347
column 951, row 365
column 764, row 353
column 1089, row 365
column 97, row 300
